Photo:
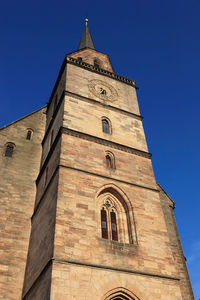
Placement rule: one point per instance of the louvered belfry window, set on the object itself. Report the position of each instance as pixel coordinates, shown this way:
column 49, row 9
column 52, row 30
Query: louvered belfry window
column 114, row 226
column 104, row 225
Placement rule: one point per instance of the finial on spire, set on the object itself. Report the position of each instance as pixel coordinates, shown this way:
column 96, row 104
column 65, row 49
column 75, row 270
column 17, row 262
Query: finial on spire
column 86, row 40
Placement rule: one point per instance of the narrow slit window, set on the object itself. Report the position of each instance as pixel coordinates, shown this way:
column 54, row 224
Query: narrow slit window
column 105, row 126
column 28, row 135
column 104, row 225
column 114, row 226
column 9, row 150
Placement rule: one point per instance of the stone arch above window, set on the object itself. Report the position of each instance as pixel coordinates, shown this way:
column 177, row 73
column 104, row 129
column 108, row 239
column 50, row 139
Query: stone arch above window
column 29, row 133
column 9, row 149
column 120, row 224
column 106, row 125
column 120, row 294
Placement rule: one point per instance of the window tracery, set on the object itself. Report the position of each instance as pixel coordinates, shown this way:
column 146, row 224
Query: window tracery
column 109, row 221
column 115, row 215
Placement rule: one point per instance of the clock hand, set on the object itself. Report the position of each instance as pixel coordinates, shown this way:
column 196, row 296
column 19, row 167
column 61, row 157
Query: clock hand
column 102, row 91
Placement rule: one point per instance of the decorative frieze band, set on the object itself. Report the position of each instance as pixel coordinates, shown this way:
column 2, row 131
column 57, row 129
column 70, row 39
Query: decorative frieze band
column 98, row 70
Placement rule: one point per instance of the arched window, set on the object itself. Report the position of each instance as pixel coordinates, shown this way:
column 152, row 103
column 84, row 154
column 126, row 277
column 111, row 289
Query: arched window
column 9, row 149
column 106, row 126
column 114, row 226
column 109, row 221
column 120, row 294
column 29, row 134
column 104, row 225
column 110, row 160
column 115, row 215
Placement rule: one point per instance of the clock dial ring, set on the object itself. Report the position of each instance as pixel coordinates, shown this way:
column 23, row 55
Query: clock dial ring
column 102, row 90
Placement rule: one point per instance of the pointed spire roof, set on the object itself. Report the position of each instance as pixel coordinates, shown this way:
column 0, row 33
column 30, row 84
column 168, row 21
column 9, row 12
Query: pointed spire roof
column 86, row 40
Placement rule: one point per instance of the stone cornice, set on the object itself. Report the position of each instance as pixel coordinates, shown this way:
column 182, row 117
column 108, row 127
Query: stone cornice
column 104, row 72
column 91, row 139
column 96, row 266
column 109, row 178
column 91, row 68
column 104, row 142
column 130, row 271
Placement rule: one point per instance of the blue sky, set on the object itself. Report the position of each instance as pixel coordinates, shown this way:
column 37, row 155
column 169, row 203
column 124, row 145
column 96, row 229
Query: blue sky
column 153, row 42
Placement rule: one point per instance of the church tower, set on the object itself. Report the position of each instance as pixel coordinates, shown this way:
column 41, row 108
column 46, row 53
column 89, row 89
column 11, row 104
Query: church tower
column 102, row 227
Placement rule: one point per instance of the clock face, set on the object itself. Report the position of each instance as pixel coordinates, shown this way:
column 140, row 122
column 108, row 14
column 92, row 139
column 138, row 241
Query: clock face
column 102, row 90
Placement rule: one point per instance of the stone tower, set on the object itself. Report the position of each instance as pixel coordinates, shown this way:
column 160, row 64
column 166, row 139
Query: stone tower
column 102, row 227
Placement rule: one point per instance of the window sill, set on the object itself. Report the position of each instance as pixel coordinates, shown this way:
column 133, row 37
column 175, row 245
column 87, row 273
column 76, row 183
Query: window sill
column 118, row 246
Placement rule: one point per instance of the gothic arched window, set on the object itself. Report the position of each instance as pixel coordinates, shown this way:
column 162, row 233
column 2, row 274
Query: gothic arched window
column 120, row 294
column 109, row 221
column 115, row 215
column 104, row 224
column 114, row 226
column 9, row 149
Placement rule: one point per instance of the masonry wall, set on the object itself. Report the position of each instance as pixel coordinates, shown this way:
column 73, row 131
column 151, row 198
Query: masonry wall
column 175, row 244
column 42, row 287
column 70, row 281
column 56, row 123
column 42, row 236
column 78, row 231
column 79, row 78
column 66, row 248
column 87, row 117
column 89, row 55
column 17, row 196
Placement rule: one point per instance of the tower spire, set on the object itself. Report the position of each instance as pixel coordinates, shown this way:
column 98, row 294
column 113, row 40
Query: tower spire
column 86, row 40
